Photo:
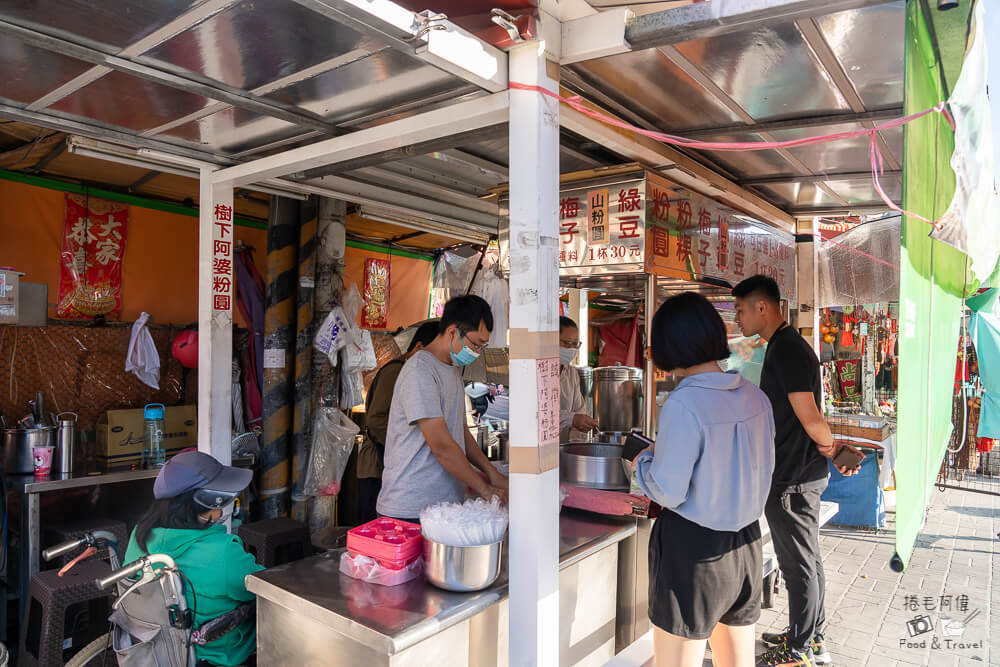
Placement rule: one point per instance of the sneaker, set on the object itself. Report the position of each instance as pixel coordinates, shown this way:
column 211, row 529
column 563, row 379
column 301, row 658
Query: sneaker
column 786, row 656
column 820, row 655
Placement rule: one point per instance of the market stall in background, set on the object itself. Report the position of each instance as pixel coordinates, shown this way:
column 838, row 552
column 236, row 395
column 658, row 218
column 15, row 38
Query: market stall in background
column 857, row 336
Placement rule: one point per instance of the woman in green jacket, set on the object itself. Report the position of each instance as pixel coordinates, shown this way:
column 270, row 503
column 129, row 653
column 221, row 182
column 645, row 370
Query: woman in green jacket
column 195, row 496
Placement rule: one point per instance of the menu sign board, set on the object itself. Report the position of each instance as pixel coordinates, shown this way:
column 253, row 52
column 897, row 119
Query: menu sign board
column 642, row 223
column 693, row 236
column 602, row 226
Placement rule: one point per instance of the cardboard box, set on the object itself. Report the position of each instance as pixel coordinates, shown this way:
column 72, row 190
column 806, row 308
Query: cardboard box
column 9, row 296
column 120, row 434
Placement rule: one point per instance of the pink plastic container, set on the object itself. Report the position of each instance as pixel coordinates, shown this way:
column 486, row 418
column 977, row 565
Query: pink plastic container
column 394, row 544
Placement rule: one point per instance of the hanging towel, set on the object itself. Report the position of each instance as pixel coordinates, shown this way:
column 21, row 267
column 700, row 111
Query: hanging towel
column 142, row 358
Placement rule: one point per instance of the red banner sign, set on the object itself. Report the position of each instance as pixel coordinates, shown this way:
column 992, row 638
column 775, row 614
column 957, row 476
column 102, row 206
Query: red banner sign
column 375, row 312
column 847, row 374
column 93, row 247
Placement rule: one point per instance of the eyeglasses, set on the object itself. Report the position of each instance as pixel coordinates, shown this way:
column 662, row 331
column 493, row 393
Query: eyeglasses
column 472, row 346
column 570, row 344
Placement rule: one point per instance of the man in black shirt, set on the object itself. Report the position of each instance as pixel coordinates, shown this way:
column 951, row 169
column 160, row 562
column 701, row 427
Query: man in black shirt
column 803, row 442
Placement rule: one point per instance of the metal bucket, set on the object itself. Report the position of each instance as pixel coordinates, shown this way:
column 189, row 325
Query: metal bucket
column 462, row 569
column 592, row 466
column 618, row 398
column 17, row 444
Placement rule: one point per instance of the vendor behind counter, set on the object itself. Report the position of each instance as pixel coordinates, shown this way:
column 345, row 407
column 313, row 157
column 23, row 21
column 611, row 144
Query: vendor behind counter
column 371, row 454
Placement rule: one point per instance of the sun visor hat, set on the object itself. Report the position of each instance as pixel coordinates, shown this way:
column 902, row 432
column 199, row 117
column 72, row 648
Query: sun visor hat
column 216, row 485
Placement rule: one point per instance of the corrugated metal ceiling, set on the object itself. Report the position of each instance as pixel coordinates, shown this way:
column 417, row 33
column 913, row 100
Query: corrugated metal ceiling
column 250, row 78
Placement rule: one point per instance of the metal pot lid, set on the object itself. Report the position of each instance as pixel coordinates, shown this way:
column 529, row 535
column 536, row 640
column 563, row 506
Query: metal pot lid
column 617, row 373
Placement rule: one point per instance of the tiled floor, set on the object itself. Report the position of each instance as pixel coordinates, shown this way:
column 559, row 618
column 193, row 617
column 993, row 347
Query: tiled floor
column 869, row 606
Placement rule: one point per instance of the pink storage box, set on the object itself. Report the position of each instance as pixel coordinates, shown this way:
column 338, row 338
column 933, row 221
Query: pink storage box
column 393, row 543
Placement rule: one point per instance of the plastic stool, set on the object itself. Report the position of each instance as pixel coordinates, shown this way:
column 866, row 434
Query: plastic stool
column 63, row 608
column 71, row 530
column 276, row 541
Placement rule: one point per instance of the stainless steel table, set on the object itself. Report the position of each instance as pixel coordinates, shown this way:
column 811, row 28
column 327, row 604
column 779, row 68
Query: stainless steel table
column 307, row 610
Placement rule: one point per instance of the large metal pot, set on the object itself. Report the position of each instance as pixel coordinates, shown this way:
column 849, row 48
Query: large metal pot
column 618, row 398
column 592, row 466
column 17, row 444
column 461, row 569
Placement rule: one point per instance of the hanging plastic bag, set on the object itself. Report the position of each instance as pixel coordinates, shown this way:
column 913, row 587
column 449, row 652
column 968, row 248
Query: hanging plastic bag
column 333, row 440
column 359, row 353
column 142, row 358
column 494, row 290
column 333, row 334
column 352, row 303
column 351, row 389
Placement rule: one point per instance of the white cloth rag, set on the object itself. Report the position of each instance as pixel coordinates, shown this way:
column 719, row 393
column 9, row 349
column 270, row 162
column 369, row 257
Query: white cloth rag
column 142, row 358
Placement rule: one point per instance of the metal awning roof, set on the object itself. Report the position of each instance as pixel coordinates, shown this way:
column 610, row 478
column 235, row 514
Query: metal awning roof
column 223, row 82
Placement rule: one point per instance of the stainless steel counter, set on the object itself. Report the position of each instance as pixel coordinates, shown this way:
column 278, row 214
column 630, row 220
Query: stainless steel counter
column 390, row 620
column 30, row 488
column 58, row 482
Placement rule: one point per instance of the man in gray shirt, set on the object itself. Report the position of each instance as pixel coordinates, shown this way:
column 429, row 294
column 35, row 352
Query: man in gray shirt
column 430, row 455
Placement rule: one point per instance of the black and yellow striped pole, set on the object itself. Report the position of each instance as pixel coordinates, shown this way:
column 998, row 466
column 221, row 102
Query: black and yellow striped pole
column 279, row 351
column 302, row 414
column 330, row 246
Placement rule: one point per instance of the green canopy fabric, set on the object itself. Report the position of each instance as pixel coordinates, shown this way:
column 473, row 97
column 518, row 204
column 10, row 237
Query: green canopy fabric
column 934, row 276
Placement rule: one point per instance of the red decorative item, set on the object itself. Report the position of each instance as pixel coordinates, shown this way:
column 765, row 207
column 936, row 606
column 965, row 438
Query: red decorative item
column 847, row 338
column 185, row 348
column 375, row 312
column 93, row 247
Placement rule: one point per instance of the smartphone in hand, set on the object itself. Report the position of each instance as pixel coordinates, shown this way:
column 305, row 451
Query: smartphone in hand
column 848, row 458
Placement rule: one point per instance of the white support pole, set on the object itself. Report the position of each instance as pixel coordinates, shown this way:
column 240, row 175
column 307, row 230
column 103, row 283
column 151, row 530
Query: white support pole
column 807, row 282
column 649, row 370
column 578, row 307
column 534, row 366
column 216, row 292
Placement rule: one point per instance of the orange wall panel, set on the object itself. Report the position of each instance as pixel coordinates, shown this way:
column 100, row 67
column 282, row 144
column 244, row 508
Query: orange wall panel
column 160, row 273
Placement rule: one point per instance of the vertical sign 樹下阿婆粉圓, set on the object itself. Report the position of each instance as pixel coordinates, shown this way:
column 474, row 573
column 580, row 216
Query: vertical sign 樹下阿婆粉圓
column 93, row 250
column 222, row 259
column 375, row 312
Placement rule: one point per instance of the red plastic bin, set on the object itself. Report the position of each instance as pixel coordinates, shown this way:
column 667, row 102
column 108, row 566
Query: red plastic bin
column 391, row 542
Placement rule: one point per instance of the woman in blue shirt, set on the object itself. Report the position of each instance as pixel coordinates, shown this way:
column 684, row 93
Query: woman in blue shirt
column 710, row 470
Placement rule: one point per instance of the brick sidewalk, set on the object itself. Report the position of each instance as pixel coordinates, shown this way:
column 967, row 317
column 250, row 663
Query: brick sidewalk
column 957, row 555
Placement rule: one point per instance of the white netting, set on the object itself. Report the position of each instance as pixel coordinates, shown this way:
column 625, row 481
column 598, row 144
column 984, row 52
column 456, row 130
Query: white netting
column 860, row 266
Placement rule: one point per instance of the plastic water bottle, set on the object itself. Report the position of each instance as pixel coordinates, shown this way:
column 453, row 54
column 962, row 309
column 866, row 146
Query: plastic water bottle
column 154, row 453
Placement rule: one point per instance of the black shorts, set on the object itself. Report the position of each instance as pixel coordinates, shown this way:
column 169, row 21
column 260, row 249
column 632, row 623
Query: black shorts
column 699, row 577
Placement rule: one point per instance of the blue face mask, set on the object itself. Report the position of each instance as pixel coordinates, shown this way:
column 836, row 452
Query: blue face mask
column 465, row 356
